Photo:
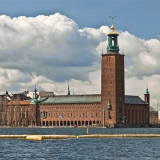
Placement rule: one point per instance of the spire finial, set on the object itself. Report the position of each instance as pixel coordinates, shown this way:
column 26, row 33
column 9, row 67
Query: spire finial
column 112, row 17
column 113, row 27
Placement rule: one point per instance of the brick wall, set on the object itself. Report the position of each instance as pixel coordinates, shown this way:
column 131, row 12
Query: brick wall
column 112, row 86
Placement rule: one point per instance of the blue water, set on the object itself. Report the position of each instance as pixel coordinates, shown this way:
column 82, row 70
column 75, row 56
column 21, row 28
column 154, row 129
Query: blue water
column 80, row 149
column 78, row 131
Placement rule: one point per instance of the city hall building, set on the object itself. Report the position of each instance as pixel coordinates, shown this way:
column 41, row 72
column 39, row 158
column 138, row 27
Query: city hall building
column 111, row 108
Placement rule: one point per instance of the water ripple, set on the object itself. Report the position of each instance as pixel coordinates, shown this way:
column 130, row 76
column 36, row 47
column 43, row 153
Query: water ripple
column 79, row 149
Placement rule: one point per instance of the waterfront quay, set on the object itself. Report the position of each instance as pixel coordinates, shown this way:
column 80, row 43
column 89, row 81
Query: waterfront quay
column 72, row 133
column 43, row 137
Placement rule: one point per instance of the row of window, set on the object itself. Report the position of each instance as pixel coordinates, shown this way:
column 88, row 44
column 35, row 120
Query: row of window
column 69, row 114
column 20, row 114
column 75, row 107
column 18, row 106
column 15, row 110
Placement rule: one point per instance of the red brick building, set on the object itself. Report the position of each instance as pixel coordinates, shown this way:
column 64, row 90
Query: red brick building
column 110, row 108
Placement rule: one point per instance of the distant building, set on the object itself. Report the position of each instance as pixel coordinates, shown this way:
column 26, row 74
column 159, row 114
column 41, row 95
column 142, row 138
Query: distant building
column 159, row 115
column 110, row 108
column 41, row 93
column 154, row 117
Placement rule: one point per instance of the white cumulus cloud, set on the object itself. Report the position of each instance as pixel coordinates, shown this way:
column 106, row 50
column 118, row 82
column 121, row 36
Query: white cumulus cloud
column 51, row 50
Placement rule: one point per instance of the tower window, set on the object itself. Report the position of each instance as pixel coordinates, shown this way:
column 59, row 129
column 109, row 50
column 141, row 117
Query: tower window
column 92, row 114
column 112, row 42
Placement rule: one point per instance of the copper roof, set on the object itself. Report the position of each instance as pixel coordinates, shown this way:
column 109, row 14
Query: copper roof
column 95, row 98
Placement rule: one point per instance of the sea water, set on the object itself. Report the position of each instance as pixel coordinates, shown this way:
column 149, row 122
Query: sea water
column 80, row 149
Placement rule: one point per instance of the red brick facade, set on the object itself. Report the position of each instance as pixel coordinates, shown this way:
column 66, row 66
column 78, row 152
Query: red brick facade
column 112, row 87
column 71, row 115
column 108, row 109
column 136, row 114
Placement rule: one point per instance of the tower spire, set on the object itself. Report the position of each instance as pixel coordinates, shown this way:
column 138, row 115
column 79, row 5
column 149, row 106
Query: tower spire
column 113, row 38
column 68, row 89
column 35, row 92
column 35, row 89
column 113, row 27
column 147, row 91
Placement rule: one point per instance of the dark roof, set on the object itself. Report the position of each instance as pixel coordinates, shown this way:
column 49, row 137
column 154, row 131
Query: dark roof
column 15, row 96
column 133, row 100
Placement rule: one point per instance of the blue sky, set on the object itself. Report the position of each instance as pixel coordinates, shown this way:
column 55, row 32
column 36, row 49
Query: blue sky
column 51, row 42
column 141, row 18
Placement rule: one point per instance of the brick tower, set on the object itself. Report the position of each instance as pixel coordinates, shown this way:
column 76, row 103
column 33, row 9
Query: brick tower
column 112, row 82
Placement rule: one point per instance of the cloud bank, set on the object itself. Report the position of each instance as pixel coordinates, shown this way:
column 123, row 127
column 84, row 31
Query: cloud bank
column 52, row 50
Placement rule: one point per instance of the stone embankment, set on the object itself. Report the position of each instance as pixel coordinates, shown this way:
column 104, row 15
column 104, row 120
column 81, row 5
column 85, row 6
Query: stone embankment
column 43, row 137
